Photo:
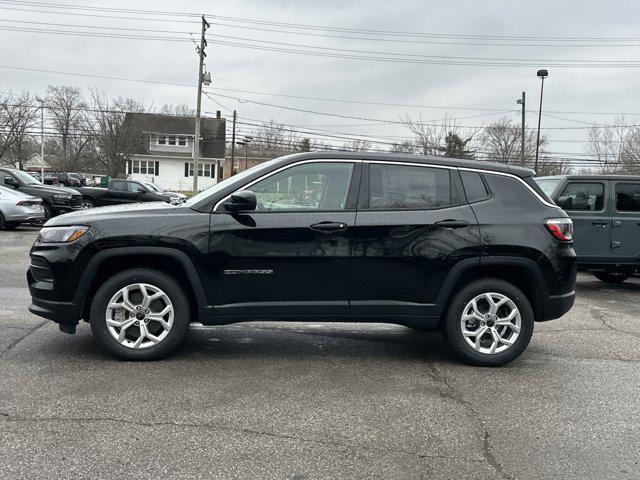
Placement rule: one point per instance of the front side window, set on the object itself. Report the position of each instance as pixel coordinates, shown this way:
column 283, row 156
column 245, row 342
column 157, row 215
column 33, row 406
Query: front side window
column 582, row 197
column 628, row 197
column 409, row 188
column 118, row 186
column 311, row 186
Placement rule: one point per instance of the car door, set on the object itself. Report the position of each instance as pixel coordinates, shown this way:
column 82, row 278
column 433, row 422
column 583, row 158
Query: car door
column 587, row 203
column 291, row 255
column 625, row 219
column 412, row 226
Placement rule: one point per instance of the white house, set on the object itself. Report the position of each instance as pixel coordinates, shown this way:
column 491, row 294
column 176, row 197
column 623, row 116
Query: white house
column 165, row 154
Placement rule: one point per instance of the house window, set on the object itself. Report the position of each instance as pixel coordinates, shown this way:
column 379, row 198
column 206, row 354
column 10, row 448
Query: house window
column 182, row 141
column 144, row 167
column 172, row 141
column 162, row 140
column 204, row 170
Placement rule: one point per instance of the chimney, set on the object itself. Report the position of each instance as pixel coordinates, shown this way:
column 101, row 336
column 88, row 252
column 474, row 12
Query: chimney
column 217, row 113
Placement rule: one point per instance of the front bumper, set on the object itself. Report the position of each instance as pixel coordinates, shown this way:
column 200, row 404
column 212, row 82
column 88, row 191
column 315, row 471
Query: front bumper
column 555, row 306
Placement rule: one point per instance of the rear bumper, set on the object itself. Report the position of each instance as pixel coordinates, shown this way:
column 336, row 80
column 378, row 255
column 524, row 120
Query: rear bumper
column 555, row 306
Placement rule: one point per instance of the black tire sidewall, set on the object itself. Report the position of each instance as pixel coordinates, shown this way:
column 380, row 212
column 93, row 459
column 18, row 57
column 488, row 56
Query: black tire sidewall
column 48, row 211
column 1, row 220
column 453, row 334
column 140, row 275
column 612, row 277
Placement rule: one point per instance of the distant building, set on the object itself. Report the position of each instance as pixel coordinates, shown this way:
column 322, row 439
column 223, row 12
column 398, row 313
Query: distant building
column 164, row 155
column 35, row 163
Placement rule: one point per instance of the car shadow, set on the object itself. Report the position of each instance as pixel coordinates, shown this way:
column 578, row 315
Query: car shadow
column 278, row 341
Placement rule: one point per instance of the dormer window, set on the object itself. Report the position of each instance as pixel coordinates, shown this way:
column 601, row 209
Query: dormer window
column 172, row 140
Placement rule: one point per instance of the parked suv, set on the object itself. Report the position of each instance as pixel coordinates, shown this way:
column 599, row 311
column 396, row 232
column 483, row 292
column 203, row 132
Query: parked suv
column 605, row 210
column 55, row 200
column 475, row 249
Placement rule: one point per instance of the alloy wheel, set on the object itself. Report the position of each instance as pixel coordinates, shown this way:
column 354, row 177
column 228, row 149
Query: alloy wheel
column 490, row 323
column 139, row 316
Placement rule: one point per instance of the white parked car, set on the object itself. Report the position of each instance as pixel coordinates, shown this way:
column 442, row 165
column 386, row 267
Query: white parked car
column 17, row 208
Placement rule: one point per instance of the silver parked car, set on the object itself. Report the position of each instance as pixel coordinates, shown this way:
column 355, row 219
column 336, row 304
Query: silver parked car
column 17, row 208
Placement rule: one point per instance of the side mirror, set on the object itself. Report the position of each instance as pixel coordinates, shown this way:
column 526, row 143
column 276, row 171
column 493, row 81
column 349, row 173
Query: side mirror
column 8, row 180
column 140, row 190
column 244, row 200
column 565, row 202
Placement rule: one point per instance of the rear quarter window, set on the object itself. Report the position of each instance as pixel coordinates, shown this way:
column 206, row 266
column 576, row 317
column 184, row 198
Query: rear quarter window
column 474, row 186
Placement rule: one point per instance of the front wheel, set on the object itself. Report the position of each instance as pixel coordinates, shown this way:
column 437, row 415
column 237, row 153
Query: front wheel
column 489, row 323
column 88, row 203
column 612, row 277
column 140, row 314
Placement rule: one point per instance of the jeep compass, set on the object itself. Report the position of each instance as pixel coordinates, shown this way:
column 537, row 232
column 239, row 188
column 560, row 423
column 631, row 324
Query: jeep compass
column 474, row 249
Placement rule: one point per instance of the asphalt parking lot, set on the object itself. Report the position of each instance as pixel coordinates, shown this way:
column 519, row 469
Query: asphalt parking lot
column 320, row 400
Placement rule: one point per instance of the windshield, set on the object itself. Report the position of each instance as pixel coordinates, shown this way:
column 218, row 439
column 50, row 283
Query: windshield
column 153, row 186
column 229, row 181
column 25, row 178
column 548, row 185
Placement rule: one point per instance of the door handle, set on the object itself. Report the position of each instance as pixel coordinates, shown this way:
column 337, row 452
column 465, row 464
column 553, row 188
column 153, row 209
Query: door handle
column 599, row 223
column 452, row 224
column 616, row 244
column 615, row 224
column 328, row 227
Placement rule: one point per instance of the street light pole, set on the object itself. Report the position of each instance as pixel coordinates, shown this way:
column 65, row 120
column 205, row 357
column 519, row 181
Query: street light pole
column 542, row 74
column 41, row 100
column 521, row 101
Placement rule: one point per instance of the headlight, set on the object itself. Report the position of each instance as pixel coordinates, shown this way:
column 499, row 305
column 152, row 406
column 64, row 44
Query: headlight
column 62, row 196
column 62, row 234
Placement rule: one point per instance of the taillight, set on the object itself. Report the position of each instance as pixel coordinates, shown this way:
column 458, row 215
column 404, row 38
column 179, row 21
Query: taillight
column 561, row 228
column 27, row 203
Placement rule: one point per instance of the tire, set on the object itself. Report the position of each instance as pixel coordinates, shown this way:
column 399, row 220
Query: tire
column 612, row 276
column 480, row 354
column 88, row 203
column 48, row 212
column 131, row 347
column 2, row 223
column 10, row 225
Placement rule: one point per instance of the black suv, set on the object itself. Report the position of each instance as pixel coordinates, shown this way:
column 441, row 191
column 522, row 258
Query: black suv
column 605, row 210
column 475, row 249
column 55, row 200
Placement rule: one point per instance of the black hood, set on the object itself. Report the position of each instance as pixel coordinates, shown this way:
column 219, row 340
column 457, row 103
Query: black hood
column 39, row 188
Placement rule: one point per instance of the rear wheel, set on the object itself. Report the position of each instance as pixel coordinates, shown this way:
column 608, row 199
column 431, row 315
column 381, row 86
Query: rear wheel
column 140, row 314
column 612, row 276
column 489, row 323
column 2, row 223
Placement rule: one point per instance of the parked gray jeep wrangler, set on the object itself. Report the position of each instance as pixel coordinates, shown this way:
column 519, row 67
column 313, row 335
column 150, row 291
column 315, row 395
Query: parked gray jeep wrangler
column 605, row 210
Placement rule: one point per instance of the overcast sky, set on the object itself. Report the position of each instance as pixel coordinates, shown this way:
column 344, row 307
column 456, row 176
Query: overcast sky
column 593, row 89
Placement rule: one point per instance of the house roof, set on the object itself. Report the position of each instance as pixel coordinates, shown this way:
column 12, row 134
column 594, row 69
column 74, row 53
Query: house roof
column 213, row 129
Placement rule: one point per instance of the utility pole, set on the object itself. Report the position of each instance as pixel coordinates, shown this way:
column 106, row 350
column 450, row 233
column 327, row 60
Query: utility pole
column 196, row 138
column 41, row 100
column 233, row 144
column 521, row 101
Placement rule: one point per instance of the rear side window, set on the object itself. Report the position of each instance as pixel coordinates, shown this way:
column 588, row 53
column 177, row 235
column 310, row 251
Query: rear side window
column 628, row 197
column 474, row 186
column 582, row 197
column 119, row 186
column 410, row 188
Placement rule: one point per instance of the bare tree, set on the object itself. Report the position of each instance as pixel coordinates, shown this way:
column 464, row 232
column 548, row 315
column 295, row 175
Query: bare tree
column 182, row 109
column 403, row 147
column 357, row 145
column 501, row 142
column 67, row 109
column 114, row 136
column 17, row 117
column 274, row 137
column 615, row 147
column 434, row 138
